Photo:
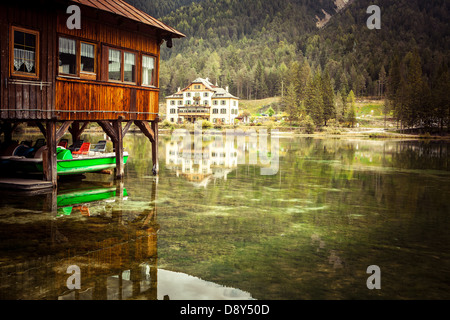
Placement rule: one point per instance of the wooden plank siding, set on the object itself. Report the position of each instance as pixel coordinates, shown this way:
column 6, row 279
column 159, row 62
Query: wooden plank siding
column 104, row 101
column 23, row 98
column 58, row 97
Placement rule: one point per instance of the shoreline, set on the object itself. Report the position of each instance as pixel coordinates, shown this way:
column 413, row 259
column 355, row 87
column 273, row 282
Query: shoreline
column 371, row 133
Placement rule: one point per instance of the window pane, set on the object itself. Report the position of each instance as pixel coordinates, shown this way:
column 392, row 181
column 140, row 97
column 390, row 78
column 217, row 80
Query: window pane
column 129, row 67
column 115, row 61
column 87, row 57
column 24, row 52
column 148, row 65
column 67, row 56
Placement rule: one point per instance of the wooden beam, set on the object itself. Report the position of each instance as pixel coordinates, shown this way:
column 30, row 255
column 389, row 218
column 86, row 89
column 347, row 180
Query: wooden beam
column 118, row 147
column 76, row 131
column 42, row 128
column 146, row 129
column 49, row 156
column 63, row 129
column 127, row 126
column 108, row 129
column 155, row 147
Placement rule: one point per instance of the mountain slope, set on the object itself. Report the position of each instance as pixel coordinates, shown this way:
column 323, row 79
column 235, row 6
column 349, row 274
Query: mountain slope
column 251, row 45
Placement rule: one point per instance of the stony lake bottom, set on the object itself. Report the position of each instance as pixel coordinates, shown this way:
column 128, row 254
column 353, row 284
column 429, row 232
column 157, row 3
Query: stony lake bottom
column 220, row 227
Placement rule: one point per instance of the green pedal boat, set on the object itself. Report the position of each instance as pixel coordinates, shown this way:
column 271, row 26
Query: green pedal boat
column 67, row 164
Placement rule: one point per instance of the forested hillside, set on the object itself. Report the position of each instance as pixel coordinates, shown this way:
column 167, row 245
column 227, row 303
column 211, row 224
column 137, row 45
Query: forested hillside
column 264, row 48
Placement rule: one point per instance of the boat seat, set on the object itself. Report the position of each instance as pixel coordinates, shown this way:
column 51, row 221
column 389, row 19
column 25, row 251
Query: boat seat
column 100, row 146
column 76, row 146
column 39, row 143
column 63, row 143
column 84, row 149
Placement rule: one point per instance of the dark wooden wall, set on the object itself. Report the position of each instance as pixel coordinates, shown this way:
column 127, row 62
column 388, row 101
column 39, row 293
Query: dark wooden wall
column 67, row 98
column 23, row 98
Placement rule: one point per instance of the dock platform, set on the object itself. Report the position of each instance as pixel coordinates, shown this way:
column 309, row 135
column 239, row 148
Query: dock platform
column 24, row 184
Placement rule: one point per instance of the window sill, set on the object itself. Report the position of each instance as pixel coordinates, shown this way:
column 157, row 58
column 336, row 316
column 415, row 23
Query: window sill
column 24, row 76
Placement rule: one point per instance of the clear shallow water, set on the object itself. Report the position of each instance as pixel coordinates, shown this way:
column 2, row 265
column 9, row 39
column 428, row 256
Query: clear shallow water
column 221, row 229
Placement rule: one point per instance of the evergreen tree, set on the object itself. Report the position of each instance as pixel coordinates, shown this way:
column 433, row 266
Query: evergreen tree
column 351, row 113
column 314, row 100
column 414, row 106
column 441, row 100
column 329, row 111
column 291, row 103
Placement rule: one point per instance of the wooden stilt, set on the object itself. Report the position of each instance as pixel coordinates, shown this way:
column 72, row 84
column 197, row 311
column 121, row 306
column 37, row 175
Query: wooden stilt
column 155, row 147
column 114, row 131
column 76, row 131
column 151, row 132
column 49, row 156
column 118, row 147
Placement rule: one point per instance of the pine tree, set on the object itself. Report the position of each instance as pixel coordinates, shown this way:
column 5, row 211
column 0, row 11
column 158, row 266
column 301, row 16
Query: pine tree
column 291, row 103
column 329, row 111
column 441, row 100
column 314, row 100
column 414, row 106
column 351, row 113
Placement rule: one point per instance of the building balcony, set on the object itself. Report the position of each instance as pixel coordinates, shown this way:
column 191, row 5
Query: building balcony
column 194, row 110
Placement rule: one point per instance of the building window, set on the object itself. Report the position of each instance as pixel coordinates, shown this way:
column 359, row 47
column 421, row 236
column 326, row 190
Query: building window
column 173, row 111
column 87, row 57
column 223, row 111
column 25, row 52
column 172, row 103
column 129, row 67
column 76, row 58
column 67, row 56
column 114, row 65
column 197, row 86
column 180, row 102
column 216, row 102
column 206, row 94
column 206, row 102
column 148, row 70
column 223, row 102
column 215, row 111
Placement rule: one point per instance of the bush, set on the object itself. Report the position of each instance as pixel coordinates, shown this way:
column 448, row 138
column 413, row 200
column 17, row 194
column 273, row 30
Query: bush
column 206, row 124
column 308, row 124
column 166, row 124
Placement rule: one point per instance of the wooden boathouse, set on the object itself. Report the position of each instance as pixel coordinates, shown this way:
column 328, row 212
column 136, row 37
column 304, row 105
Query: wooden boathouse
column 65, row 64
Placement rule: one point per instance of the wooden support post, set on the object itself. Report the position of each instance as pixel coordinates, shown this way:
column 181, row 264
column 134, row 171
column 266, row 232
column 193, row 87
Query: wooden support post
column 49, row 156
column 115, row 132
column 151, row 132
column 155, row 147
column 76, row 131
column 118, row 146
column 62, row 129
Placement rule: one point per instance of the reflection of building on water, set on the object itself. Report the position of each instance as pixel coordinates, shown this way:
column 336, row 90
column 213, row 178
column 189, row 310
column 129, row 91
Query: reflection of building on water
column 213, row 161
column 110, row 248
column 115, row 249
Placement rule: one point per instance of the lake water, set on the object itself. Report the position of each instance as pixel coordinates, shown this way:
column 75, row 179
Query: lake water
column 224, row 226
